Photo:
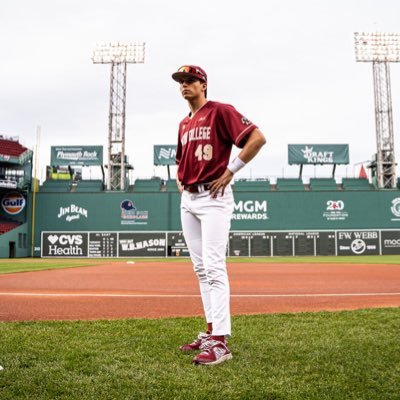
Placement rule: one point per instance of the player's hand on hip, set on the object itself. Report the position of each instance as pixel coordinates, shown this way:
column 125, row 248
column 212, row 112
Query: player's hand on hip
column 221, row 183
column 180, row 186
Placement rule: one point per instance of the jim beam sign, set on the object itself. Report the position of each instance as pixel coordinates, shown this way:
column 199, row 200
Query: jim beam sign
column 64, row 244
column 72, row 212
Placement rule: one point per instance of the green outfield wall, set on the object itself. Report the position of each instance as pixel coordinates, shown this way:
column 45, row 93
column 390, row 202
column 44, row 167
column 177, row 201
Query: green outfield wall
column 278, row 223
column 15, row 243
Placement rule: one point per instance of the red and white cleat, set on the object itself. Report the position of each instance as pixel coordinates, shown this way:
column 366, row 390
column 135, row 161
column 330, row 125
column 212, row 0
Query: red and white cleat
column 214, row 352
column 197, row 343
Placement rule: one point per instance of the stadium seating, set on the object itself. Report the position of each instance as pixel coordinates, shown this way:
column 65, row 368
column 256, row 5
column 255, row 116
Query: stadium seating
column 321, row 184
column 147, row 185
column 6, row 226
column 356, row 184
column 11, row 148
column 55, row 186
column 252, row 186
column 289, row 184
column 89, row 186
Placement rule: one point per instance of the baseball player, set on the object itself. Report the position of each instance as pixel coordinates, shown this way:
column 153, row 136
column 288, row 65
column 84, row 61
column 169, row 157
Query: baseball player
column 205, row 141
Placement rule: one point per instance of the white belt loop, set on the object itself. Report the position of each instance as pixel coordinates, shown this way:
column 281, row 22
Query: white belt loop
column 200, row 188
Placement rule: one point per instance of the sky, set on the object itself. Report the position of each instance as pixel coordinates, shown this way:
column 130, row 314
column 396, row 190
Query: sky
column 287, row 65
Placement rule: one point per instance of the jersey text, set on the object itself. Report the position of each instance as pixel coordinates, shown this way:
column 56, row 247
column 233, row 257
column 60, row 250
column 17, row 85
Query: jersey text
column 199, row 133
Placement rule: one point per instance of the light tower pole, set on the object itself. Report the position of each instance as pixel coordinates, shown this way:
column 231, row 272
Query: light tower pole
column 381, row 49
column 118, row 54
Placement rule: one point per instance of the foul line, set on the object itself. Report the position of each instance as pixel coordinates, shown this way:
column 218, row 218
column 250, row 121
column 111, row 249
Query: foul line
column 22, row 294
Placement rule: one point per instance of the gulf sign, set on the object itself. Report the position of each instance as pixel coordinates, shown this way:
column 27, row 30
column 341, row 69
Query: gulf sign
column 13, row 203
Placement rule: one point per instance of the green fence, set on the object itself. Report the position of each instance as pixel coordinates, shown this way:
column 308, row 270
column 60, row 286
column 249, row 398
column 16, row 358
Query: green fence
column 254, row 211
column 15, row 243
column 243, row 244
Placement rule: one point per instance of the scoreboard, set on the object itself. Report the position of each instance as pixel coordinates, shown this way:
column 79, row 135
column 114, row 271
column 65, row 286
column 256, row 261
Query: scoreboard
column 103, row 244
column 266, row 244
column 240, row 244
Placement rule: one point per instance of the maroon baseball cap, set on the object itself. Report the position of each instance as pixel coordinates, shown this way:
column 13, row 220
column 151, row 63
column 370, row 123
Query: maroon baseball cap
column 190, row 71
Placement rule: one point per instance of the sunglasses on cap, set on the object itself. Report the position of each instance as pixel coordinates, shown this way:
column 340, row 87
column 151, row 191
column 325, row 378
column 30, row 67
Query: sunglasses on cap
column 190, row 71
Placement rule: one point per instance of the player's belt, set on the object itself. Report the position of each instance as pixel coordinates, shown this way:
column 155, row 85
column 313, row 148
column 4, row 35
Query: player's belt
column 197, row 187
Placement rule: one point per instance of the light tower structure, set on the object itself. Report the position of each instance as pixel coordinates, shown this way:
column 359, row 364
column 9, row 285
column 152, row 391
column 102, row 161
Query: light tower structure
column 381, row 48
column 118, row 54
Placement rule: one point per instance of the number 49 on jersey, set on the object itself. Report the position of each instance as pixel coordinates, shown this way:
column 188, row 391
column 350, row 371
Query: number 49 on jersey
column 204, row 152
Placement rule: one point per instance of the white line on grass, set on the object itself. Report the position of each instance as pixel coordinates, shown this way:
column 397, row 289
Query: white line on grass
column 127, row 295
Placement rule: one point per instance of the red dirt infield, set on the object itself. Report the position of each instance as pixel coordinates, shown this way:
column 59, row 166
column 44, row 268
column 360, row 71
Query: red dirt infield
column 153, row 290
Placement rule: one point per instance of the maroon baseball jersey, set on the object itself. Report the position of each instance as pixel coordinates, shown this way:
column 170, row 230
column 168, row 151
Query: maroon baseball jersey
column 205, row 141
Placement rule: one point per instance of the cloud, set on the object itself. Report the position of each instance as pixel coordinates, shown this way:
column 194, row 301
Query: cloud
column 287, row 65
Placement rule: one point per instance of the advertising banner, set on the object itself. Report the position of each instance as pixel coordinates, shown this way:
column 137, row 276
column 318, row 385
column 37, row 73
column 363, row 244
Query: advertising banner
column 270, row 211
column 77, row 155
column 131, row 215
column 318, row 153
column 8, row 184
column 148, row 244
column 390, row 242
column 241, row 244
column 13, row 205
column 164, row 154
column 357, row 243
column 64, row 244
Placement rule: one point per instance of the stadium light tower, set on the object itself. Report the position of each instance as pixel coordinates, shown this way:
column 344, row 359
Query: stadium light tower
column 118, row 54
column 381, row 48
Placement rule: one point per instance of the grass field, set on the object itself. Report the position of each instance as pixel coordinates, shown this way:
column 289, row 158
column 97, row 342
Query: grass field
column 341, row 355
column 326, row 355
column 36, row 264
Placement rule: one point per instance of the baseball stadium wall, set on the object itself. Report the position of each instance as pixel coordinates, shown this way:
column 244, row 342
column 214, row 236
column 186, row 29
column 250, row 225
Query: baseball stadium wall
column 15, row 209
column 123, row 224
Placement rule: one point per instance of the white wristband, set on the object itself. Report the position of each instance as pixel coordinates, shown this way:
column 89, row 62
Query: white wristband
column 236, row 165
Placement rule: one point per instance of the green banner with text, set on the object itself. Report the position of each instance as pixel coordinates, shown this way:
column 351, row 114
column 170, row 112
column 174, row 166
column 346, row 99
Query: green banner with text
column 318, row 154
column 164, row 154
column 77, row 155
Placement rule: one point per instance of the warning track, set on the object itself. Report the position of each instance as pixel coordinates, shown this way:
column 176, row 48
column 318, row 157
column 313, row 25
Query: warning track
column 153, row 290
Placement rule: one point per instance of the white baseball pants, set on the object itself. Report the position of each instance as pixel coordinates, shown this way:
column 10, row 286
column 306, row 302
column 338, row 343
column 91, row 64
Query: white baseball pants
column 206, row 222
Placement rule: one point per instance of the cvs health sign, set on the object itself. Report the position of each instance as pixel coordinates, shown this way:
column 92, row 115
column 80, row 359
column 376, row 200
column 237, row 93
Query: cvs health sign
column 64, row 244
